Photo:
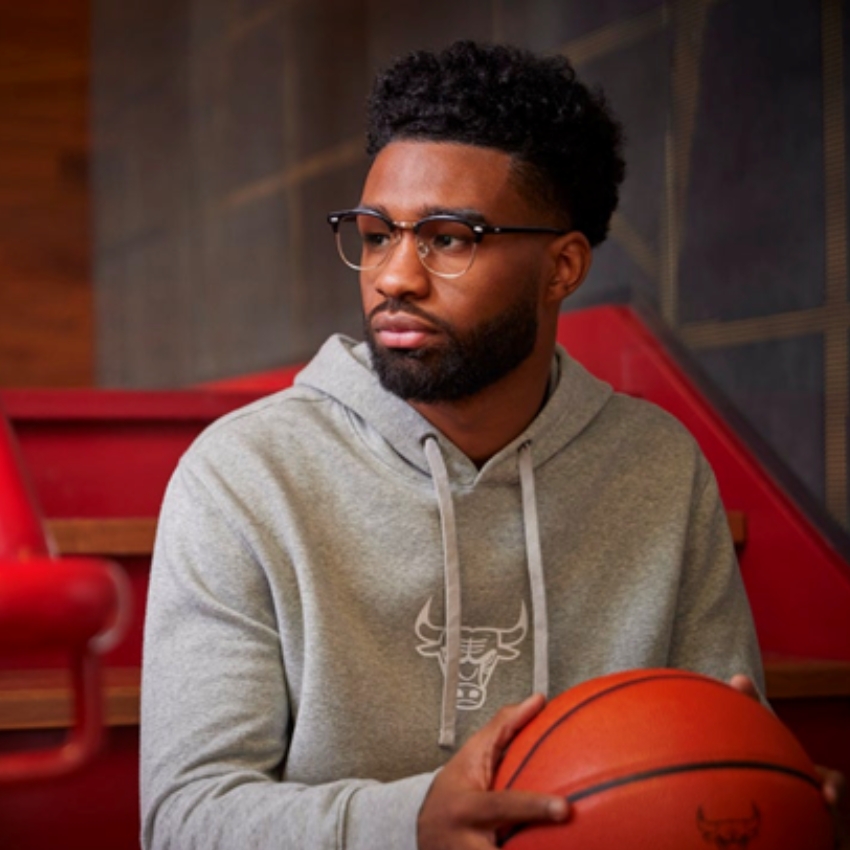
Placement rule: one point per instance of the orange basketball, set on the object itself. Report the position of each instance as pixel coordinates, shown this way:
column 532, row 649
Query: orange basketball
column 666, row 760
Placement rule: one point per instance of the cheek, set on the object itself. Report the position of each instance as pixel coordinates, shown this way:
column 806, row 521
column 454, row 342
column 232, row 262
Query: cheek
column 506, row 286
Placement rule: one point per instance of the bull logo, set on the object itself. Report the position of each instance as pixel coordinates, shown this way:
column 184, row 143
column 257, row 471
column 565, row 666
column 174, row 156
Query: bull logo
column 480, row 651
column 730, row 832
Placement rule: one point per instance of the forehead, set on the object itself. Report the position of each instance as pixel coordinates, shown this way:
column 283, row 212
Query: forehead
column 409, row 179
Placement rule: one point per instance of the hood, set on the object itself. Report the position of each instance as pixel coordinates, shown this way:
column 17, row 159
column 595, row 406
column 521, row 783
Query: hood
column 342, row 370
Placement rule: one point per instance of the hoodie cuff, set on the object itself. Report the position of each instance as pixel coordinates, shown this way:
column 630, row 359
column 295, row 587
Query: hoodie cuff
column 385, row 816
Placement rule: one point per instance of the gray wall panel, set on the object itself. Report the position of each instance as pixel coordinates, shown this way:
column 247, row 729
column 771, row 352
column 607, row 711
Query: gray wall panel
column 754, row 239
column 778, row 387
column 547, row 25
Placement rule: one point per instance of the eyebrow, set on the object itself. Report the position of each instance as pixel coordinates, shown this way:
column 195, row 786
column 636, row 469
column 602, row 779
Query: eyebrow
column 468, row 213
column 461, row 212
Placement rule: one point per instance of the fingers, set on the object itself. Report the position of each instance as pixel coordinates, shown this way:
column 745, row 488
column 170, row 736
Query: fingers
column 483, row 751
column 460, row 810
column 834, row 785
column 494, row 809
column 834, row 790
column 510, row 719
column 463, row 818
column 471, row 819
column 744, row 684
column 487, row 810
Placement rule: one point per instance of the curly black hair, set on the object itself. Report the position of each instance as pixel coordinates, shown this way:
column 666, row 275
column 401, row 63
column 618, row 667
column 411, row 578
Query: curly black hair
column 565, row 143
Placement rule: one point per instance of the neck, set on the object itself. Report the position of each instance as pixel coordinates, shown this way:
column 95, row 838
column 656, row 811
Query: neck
column 482, row 425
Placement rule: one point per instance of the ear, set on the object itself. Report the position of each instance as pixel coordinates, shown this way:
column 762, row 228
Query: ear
column 572, row 263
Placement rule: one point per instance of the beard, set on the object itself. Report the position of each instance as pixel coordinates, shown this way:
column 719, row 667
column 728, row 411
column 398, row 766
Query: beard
column 464, row 364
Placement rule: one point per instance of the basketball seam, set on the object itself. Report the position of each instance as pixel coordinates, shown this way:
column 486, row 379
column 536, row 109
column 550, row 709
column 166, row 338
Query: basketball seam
column 692, row 767
column 619, row 686
column 666, row 771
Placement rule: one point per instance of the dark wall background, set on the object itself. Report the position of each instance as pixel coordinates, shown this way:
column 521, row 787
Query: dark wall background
column 225, row 130
column 46, row 299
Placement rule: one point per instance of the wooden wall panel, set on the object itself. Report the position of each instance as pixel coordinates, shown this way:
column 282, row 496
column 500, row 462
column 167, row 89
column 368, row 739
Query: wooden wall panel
column 46, row 323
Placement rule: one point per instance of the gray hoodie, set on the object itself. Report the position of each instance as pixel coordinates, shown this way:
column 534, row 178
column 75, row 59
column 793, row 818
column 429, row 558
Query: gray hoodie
column 339, row 597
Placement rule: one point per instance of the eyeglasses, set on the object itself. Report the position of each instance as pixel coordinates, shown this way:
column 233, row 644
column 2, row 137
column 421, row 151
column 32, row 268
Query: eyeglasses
column 445, row 244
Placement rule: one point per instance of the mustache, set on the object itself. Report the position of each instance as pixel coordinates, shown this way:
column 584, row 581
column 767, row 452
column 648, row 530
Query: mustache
column 397, row 305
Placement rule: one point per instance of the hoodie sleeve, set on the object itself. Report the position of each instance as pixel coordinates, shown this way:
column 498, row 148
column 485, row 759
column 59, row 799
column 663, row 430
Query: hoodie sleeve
column 216, row 712
column 714, row 631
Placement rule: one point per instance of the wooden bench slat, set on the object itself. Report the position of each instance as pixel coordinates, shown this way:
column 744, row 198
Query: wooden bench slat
column 800, row 678
column 124, row 536
column 42, row 699
column 738, row 526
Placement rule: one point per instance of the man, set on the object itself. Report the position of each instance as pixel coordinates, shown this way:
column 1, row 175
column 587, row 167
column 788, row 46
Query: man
column 379, row 572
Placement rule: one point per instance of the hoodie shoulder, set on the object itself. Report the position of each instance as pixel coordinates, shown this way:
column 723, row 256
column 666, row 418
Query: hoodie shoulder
column 264, row 421
column 335, row 407
column 283, row 409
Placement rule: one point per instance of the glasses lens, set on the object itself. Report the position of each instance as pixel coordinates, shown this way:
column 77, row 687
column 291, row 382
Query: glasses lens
column 364, row 240
column 446, row 246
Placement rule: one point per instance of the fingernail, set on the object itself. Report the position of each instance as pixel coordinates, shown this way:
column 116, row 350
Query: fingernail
column 558, row 808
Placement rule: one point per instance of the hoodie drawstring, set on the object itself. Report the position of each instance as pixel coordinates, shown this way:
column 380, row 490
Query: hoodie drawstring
column 535, row 571
column 451, row 568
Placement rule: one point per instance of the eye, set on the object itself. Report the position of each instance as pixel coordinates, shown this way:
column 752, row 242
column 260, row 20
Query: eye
column 376, row 240
column 447, row 242
column 447, row 237
column 374, row 232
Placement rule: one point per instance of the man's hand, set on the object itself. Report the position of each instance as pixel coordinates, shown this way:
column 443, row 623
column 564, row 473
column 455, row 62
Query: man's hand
column 745, row 685
column 460, row 811
column 833, row 785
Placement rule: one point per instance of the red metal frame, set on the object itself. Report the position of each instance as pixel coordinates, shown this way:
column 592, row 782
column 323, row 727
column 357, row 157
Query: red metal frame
column 21, row 534
column 70, row 605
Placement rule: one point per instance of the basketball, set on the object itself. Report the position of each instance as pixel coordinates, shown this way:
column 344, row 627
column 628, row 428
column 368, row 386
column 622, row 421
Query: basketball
column 667, row 760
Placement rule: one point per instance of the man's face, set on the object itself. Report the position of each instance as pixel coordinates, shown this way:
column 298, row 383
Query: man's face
column 437, row 339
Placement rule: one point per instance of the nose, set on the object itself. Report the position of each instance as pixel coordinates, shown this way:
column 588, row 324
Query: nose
column 402, row 274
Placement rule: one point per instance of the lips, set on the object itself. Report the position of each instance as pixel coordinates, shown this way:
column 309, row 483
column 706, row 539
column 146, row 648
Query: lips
column 401, row 331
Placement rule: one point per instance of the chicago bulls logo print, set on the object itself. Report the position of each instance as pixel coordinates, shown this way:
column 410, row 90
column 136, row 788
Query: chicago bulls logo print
column 481, row 649
column 730, row 832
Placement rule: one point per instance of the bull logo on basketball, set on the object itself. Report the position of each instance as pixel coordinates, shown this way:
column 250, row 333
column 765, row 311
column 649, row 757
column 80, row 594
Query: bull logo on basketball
column 730, row 832
column 481, row 649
